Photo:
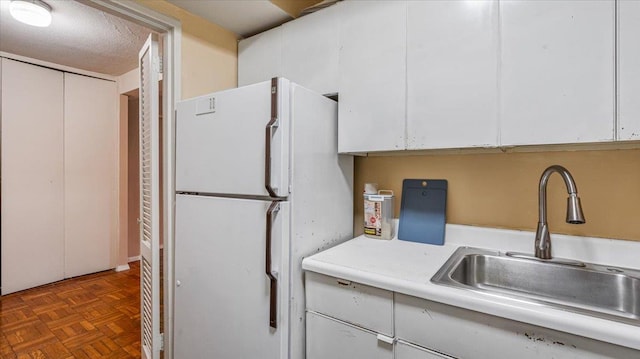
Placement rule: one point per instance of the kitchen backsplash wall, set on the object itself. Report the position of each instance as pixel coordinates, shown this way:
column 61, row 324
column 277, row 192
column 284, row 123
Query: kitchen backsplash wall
column 501, row 189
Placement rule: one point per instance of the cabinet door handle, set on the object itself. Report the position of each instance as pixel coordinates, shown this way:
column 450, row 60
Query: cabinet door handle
column 386, row 339
column 344, row 282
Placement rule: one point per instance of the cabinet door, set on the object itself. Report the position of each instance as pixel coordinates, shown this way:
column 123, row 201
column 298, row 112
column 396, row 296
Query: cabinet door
column 628, row 70
column 90, row 167
column 310, row 50
column 452, row 82
column 329, row 338
column 260, row 57
column 464, row 333
column 32, row 245
column 372, row 82
column 409, row 351
column 557, row 71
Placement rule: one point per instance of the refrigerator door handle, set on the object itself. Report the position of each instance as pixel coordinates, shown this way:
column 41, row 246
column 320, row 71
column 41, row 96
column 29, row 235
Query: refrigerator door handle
column 271, row 128
column 273, row 297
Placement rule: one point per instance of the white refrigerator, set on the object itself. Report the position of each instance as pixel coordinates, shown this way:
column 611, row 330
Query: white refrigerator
column 259, row 186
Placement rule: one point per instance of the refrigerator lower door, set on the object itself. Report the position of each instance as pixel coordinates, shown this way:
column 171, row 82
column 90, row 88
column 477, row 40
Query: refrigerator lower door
column 223, row 295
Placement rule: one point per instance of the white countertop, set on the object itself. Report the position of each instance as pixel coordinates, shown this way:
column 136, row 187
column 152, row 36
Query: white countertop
column 407, row 267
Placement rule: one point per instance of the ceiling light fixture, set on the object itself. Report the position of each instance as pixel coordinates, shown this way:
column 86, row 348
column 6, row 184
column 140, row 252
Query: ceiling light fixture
column 32, row 12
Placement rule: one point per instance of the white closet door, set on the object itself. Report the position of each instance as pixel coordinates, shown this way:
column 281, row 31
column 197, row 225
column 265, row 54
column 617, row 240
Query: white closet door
column 90, row 165
column 32, row 193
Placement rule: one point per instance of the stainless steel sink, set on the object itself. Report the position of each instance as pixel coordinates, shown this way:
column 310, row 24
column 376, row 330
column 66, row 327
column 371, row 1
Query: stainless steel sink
column 603, row 291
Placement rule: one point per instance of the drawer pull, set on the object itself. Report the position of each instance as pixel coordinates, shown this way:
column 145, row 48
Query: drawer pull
column 386, row 339
column 344, row 282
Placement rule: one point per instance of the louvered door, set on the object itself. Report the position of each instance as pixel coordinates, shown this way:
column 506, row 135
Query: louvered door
column 150, row 199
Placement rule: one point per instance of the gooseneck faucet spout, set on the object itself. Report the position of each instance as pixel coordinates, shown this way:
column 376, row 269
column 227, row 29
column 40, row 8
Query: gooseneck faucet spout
column 574, row 209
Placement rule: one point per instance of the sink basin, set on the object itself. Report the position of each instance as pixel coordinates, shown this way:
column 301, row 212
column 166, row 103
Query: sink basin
column 602, row 291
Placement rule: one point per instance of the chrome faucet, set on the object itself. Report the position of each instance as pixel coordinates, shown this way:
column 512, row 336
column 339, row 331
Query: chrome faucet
column 574, row 209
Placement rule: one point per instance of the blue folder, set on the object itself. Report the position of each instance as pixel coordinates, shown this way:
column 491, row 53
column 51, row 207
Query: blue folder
column 422, row 211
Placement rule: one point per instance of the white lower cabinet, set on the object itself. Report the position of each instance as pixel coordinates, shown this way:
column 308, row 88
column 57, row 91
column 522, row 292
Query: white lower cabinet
column 351, row 320
column 406, row 350
column 331, row 338
column 464, row 333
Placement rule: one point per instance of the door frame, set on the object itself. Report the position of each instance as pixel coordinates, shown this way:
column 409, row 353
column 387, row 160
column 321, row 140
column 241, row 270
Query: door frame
column 172, row 54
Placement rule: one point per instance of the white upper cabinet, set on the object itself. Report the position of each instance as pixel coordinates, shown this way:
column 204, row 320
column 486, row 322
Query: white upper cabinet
column 310, row 50
column 452, row 65
column 418, row 75
column 557, row 80
column 628, row 70
column 260, row 57
column 304, row 51
column 372, row 76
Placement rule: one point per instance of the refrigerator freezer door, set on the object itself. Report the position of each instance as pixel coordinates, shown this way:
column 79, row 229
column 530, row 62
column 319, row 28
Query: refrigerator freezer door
column 222, row 139
column 222, row 293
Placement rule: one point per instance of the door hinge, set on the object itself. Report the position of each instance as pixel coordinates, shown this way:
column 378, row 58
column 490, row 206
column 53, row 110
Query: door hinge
column 161, row 341
column 156, row 64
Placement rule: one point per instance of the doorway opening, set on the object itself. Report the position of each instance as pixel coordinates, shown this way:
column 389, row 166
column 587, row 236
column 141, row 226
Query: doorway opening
column 169, row 31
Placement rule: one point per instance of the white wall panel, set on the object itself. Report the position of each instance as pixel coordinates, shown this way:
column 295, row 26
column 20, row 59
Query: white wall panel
column 260, row 57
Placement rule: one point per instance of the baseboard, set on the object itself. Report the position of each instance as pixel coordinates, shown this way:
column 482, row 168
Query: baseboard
column 122, row 267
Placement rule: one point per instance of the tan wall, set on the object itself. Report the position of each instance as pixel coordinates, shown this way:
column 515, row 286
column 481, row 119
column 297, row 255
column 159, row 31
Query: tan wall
column 134, row 180
column 294, row 7
column 501, row 190
column 123, row 182
column 209, row 52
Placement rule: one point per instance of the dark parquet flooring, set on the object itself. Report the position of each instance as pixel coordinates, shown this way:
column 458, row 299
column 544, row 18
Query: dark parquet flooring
column 92, row 316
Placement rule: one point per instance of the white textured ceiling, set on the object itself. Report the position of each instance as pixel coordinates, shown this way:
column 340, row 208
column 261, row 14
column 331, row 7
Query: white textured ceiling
column 79, row 36
column 243, row 17
column 89, row 39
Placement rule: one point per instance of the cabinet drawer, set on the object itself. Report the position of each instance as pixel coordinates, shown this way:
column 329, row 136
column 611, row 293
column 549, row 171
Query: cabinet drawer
column 464, row 333
column 406, row 350
column 329, row 338
column 359, row 304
